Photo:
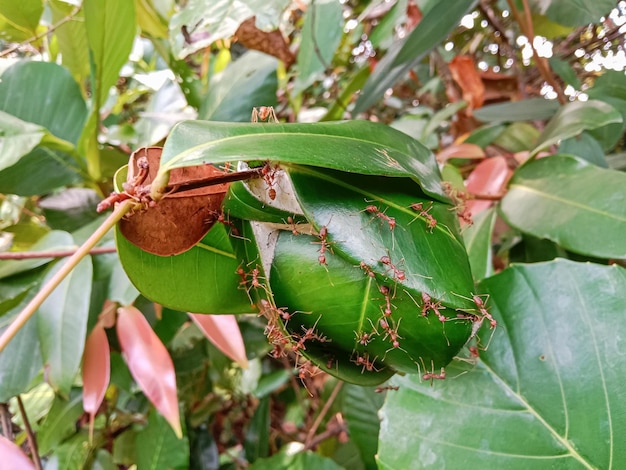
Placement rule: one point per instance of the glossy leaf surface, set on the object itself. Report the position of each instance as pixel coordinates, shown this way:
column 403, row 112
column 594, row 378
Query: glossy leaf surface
column 580, row 13
column 18, row 138
column 524, row 110
column 62, row 324
column 96, row 369
column 251, row 79
column 159, row 448
column 343, row 301
column 570, row 202
column 477, row 239
column 110, row 28
column 215, row 283
column 575, row 117
column 149, row 363
column 546, row 394
column 321, row 33
column 223, row 332
column 44, row 93
column 351, row 146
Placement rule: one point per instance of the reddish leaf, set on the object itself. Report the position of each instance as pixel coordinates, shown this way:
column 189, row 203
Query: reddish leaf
column 472, row 151
column 272, row 42
column 466, row 76
column 13, row 457
column 223, row 332
column 96, row 370
column 149, row 363
column 488, row 178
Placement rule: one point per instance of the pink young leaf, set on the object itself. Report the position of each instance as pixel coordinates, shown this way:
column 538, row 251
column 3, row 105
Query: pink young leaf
column 489, row 177
column 149, row 363
column 471, row 151
column 96, row 369
column 13, row 457
column 223, row 332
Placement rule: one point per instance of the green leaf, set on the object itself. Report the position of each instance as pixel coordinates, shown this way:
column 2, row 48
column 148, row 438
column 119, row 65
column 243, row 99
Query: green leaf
column 212, row 21
column 23, row 15
column 241, row 203
column 62, row 324
column 524, row 110
column 214, row 287
column 352, row 146
column 14, row 289
column 548, row 393
column 343, row 300
column 54, row 240
column 158, row 447
column 44, row 93
column 40, row 171
column 72, row 39
column 17, row 138
column 517, row 137
column 20, row 361
column 433, row 28
column 150, row 19
column 564, row 70
column 585, row 147
column 111, row 30
column 298, row 461
column 360, row 407
column 580, row 13
column 250, row 80
column 60, row 422
column 570, row 202
column 321, row 33
column 338, row 109
column 477, row 239
column 256, row 443
column 73, row 453
column 575, row 117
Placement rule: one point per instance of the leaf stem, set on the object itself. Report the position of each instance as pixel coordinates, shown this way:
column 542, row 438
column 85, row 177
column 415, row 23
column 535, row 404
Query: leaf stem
column 316, row 424
column 55, row 280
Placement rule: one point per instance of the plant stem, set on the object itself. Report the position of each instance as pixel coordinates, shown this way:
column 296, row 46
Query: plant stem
column 316, row 424
column 30, row 435
column 55, row 280
column 53, row 254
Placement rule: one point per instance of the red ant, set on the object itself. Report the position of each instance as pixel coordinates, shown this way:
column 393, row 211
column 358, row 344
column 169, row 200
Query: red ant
column 364, row 338
column 431, row 222
column 482, row 308
column 269, row 176
column 366, row 363
column 386, row 293
column 397, row 273
column 432, row 376
column 291, row 222
column 393, row 335
column 434, row 306
column 325, row 245
column 388, row 387
column 367, row 269
column 218, row 216
column 130, row 188
column 381, row 215
column 264, row 113
column 460, row 199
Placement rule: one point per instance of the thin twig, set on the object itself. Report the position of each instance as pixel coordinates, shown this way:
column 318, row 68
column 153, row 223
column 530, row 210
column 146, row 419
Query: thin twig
column 335, row 430
column 322, row 414
column 5, row 421
column 37, row 37
column 16, row 255
column 67, row 267
column 487, row 197
column 30, row 435
column 526, row 24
